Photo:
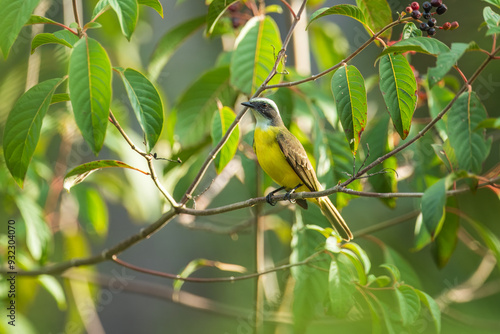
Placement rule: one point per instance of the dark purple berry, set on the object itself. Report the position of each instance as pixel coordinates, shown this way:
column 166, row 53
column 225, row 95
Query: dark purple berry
column 441, row 9
column 424, row 26
column 426, row 16
column 414, row 5
column 431, row 32
column 432, row 22
column 427, row 6
column 436, row 3
column 416, row 14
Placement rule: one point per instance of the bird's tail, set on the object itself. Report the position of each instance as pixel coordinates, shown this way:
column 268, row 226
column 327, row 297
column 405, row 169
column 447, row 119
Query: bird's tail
column 330, row 211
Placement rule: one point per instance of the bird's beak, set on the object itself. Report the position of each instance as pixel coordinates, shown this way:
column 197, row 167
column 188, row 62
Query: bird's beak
column 247, row 104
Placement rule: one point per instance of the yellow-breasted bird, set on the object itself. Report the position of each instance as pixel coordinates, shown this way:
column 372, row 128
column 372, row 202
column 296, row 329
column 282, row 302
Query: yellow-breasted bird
column 284, row 159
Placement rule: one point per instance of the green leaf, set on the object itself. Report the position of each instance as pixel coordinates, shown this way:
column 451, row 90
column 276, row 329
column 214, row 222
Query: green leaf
column 196, row 106
column 425, row 45
column 328, row 44
column 348, row 88
column 433, row 202
column 490, row 239
column 146, row 103
column 399, row 89
column 493, row 2
column 100, row 7
column 438, row 98
column 470, row 145
column 433, row 308
column 377, row 137
column 393, row 270
column 46, row 38
column 127, row 12
column 23, row 126
column 409, row 304
column 445, row 61
column 92, row 213
column 446, row 241
column 92, row 25
column 341, row 286
column 256, row 49
column 378, row 14
column 346, row 10
column 492, row 20
column 38, row 236
column 411, row 30
column 169, row 43
column 79, row 173
column 376, row 327
column 408, row 274
column 311, row 283
column 35, row 19
column 67, row 36
column 56, row 98
column 52, row 285
column 360, row 253
column 356, row 263
column 215, row 11
column 14, row 14
column 490, row 123
column 155, row 4
column 220, row 124
column 90, row 90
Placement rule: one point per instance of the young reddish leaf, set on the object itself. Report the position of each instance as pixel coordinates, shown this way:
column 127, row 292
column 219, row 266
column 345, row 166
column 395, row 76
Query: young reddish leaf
column 348, row 88
column 80, row 173
column 14, row 14
column 220, row 124
column 146, row 103
column 22, row 129
column 90, row 90
column 346, row 10
column 399, row 89
column 256, row 49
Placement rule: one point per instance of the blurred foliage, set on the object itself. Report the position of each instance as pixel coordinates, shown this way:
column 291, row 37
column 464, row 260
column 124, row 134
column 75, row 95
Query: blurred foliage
column 429, row 263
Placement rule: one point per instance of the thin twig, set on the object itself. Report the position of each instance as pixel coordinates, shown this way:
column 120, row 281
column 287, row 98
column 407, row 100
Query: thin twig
column 213, row 280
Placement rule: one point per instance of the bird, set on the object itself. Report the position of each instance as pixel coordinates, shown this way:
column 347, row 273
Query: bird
column 281, row 155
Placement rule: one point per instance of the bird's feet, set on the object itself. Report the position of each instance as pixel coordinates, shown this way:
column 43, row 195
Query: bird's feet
column 269, row 197
column 289, row 193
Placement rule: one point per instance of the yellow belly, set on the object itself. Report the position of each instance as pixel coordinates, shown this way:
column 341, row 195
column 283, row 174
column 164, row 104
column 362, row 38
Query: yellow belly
column 272, row 160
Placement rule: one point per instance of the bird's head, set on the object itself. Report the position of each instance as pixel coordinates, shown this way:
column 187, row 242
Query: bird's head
column 266, row 112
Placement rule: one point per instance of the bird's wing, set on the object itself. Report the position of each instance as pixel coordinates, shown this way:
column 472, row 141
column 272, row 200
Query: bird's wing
column 296, row 156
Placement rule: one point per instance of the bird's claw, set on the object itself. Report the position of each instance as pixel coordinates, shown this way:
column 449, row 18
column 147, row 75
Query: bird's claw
column 288, row 197
column 269, row 199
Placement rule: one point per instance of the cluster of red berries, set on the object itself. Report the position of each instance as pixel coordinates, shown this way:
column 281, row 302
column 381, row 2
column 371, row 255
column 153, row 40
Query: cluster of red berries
column 430, row 26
